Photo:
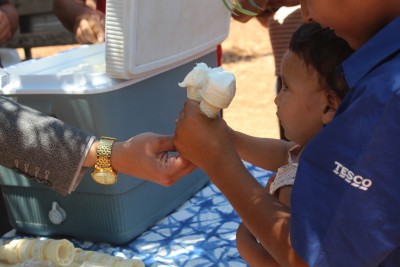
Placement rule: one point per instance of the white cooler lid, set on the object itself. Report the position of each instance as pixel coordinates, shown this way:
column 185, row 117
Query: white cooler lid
column 151, row 35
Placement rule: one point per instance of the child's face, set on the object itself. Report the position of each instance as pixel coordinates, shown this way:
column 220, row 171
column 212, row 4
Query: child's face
column 354, row 20
column 301, row 101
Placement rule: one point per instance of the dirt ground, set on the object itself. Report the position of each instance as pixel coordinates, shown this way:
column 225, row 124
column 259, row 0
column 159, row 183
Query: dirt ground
column 247, row 53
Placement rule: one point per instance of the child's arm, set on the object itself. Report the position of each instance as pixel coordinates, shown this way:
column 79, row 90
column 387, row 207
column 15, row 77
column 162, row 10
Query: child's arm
column 208, row 144
column 283, row 193
column 267, row 153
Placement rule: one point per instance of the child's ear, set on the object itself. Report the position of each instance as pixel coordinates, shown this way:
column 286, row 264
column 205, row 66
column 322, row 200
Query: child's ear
column 332, row 103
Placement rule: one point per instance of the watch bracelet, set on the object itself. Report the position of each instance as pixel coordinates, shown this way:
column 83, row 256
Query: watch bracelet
column 104, row 152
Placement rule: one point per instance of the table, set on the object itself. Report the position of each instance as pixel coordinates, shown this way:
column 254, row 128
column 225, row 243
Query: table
column 201, row 232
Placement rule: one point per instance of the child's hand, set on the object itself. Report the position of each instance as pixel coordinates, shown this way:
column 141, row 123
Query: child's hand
column 205, row 142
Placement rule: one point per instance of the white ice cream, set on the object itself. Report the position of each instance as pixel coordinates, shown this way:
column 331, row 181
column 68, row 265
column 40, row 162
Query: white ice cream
column 195, row 81
column 219, row 92
column 214, row 88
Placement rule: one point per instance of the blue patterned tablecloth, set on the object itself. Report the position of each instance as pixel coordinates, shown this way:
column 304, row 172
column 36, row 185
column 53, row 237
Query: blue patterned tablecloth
column 201, row 232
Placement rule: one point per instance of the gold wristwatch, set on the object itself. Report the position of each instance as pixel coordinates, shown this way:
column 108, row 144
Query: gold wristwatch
column 103, row 172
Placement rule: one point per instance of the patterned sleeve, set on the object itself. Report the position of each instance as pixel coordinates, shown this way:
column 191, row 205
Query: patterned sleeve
column 41, row 147
column 285, row 176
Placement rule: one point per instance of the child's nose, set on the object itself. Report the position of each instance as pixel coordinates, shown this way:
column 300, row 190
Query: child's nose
column 276, row 100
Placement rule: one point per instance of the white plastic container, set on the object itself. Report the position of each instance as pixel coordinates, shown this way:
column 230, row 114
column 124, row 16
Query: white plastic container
column 150, row 36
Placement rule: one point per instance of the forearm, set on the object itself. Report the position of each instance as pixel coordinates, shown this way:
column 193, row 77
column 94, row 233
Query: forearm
column 251, row 251
column 265, row 217
column 267, row 153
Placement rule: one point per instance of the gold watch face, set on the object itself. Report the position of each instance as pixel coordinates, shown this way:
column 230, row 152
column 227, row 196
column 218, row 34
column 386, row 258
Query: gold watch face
column 104, row 176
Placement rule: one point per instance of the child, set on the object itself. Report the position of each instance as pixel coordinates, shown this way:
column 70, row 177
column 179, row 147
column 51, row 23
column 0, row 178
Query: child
column 310, row 94
column 344, row 204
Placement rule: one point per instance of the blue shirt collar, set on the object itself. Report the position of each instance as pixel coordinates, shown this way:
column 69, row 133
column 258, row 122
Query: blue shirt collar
column 385, row 43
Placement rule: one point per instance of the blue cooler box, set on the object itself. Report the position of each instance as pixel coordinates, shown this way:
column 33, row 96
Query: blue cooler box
column 113, row 214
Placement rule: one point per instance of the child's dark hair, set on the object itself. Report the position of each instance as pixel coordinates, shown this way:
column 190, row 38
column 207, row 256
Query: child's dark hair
column 322, row 50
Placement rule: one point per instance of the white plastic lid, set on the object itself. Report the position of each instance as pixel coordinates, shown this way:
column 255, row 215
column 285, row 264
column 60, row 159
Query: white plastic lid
column 145, row 36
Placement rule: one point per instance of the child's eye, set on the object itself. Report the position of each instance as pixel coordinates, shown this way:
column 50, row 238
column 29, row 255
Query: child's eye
column 284, row 87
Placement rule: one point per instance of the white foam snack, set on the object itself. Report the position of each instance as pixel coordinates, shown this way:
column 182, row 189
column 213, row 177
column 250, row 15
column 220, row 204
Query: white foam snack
column 59, row 253
column 214, row 88
column 195, row 81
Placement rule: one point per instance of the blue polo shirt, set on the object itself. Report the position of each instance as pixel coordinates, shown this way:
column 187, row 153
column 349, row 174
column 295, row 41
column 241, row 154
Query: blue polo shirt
column 345, row 202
